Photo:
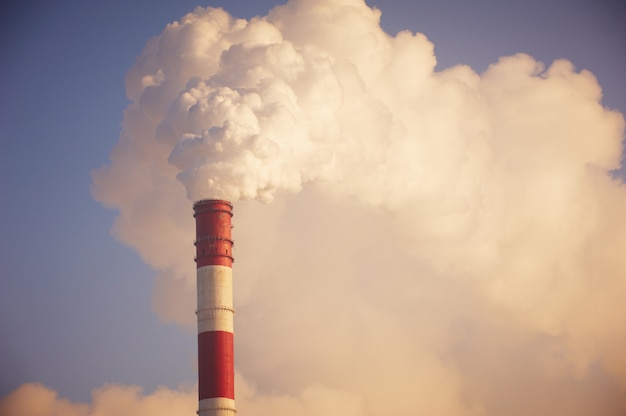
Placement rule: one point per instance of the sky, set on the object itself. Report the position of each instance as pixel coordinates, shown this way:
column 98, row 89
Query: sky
column 435, row 218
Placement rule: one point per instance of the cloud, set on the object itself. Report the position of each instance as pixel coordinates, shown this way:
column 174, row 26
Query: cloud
column 110, row 400
column 438, row 242
column 34, row 399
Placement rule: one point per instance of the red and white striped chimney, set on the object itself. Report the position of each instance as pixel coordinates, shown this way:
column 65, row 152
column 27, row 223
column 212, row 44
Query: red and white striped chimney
column 214, row 260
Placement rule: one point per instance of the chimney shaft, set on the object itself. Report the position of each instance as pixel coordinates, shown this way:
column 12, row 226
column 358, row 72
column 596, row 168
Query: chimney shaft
column 214, row 260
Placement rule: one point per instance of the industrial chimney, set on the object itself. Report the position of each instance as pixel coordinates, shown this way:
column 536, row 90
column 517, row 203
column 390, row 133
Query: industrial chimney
column 214, row 260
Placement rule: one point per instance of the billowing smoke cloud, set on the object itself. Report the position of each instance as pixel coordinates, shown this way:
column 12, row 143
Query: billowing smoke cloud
column 445, row 243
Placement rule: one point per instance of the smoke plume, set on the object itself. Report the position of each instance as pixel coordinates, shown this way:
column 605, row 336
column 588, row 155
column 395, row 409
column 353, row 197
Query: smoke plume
column 439, row 242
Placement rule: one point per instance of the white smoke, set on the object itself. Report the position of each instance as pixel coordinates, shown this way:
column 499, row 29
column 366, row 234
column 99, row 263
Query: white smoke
column 440, row 243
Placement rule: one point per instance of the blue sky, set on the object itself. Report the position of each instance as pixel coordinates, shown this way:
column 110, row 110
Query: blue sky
column 75, row 304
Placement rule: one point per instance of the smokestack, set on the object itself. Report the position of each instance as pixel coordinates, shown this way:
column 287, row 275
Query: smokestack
column 214, row 260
